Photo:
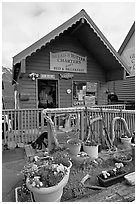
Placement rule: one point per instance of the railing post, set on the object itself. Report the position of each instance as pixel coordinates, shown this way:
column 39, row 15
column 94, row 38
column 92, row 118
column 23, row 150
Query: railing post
column 42, row 121
column 82, row 125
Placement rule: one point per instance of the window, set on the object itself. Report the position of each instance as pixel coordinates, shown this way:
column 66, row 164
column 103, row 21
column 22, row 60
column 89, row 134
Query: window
column 84, row 93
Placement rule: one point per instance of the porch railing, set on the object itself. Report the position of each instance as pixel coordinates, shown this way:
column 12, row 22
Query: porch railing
column 25, row 125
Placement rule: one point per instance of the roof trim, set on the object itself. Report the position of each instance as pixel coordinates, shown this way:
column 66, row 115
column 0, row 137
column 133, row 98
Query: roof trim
column 56, row 32
column 127, row 38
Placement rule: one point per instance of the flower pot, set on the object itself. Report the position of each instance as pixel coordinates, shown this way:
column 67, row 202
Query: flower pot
column 126, row 141
column 79, row 160
column 122, row 158
column 92, row 151
column 74, row 146
column 50, row 194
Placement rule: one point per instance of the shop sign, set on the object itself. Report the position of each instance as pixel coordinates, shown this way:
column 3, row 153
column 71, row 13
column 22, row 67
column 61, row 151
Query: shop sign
column 47, row 76
column 68, row 62
column 66, row 76
column 129, row 54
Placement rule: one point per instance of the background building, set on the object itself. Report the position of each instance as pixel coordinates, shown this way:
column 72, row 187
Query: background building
column 125, row 89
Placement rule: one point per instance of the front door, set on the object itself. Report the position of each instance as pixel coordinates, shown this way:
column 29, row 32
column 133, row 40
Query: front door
column 47, row 93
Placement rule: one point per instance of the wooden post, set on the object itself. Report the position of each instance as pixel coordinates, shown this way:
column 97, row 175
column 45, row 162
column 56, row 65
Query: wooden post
column 49, row 135
column 101, row 136
column 82, row 125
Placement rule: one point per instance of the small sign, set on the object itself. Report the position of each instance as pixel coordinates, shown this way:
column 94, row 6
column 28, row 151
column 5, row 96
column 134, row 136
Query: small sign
column 68, row 62
column 89, row 100
column 47, row 76
column 66, row 76
column 76, row 103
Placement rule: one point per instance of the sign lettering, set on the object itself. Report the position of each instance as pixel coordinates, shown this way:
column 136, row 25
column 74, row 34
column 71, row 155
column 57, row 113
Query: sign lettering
column 68, row 62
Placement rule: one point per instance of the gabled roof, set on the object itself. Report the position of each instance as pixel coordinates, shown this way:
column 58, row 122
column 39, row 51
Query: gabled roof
column 127, row 38
column 84, row 29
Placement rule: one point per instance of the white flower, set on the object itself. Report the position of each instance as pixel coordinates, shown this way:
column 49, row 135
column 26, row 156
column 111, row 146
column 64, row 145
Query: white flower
column 34, row 167
column 60, row 168
column 54, row 165
column 36, row 178
column 36, row 158
column 33, row 184
column 41, row 184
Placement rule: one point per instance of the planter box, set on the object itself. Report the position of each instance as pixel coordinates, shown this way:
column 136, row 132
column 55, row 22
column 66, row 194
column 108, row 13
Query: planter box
column 110, row 181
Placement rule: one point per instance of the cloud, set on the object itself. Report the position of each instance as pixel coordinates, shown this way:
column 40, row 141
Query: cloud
column 24, row 23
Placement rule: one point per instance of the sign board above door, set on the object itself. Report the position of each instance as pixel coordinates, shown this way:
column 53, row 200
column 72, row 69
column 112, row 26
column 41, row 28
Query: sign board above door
column 47, row 76
column 68, row 62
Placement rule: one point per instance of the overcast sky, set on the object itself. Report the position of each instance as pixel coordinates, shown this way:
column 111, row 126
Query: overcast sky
column 24, row 23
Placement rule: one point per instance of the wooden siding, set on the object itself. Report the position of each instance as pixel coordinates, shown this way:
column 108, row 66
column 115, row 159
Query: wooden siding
column 39, row 62
column 125, row 89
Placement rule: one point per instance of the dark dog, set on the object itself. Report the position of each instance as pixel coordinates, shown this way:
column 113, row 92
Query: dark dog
column 40, row 140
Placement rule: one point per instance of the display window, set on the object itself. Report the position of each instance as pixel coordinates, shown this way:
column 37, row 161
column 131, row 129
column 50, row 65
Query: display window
column 84, row 93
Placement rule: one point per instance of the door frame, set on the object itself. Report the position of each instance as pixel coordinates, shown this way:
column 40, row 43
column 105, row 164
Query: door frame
column 58, row 89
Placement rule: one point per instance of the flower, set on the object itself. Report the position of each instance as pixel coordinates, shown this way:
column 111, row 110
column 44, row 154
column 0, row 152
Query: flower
column 44, row 171
column 113, row 172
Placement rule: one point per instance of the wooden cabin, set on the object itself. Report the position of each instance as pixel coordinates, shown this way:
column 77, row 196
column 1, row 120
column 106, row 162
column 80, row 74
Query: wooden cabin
column 127, row 50
column 70, row 66
column 125, row 89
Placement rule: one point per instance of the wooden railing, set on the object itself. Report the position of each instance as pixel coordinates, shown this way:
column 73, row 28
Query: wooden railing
column 113, row 106
column 22, row 126
column 109, row 114
column 25, row 125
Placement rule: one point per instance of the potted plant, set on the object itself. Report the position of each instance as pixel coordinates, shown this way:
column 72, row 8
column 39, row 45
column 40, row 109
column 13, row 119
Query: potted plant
column 74, row 146
column 91, row 148
column 46, row 178
column 126, row 139
column 122, row 158
column 90, row 145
